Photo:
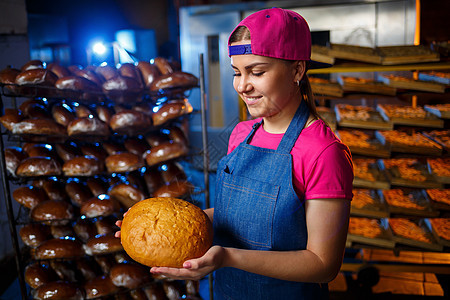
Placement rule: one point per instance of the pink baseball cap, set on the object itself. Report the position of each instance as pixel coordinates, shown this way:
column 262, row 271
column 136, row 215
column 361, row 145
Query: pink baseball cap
column 277, row 33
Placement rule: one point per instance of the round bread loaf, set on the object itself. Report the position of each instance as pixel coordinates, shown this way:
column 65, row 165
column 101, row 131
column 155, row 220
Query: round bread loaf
column 126, row 194
column 94, row 150
column 129, row 275
column 88, row 126
column 123, row 162
column 58, row 70
column 83, row 166
column 171, row 110
column 67, row 151
column 13, row 157
column 106, row 71
column 97, row 186
column 174, row 189
column 38, row 166
column 29, row 196
column 99, row 206
column 78, row 192
column 63, row 114
column 165, row 232
column 103, row 244
column 11, row 117
column 149, row 72
column 32, row 64
column 59, row 248
column 62, row 231
column 165, row 152
column 53, row 212
column 173, row 80
column 100, row 287
column 38, row 127
column 54, row 189
column 58, row 290
column 84, row 229
column 37, row 274
column 33, row 234
column 130, row 122
column 163, row 65
column 8, row 75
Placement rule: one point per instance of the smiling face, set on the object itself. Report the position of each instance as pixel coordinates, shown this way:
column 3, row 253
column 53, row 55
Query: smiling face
column 266, row 85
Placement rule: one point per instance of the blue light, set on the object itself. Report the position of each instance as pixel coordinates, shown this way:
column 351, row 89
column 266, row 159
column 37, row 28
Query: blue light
column 99, row 48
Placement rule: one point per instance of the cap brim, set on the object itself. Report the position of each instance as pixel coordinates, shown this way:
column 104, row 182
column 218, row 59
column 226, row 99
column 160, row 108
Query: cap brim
column 318, row 65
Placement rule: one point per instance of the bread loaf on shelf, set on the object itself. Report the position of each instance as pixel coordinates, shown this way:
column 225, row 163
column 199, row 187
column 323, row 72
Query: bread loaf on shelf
column 59, row 248
column 38, row 166
column 129, row 275
column 53, row 212
column 59, row 290
column 100, row 286
column 37, row 274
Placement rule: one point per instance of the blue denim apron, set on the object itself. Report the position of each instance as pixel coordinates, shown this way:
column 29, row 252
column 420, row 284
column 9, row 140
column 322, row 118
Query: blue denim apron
column 257, row 208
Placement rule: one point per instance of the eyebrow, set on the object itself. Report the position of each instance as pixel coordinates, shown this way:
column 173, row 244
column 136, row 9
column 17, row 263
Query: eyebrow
column 251, row 65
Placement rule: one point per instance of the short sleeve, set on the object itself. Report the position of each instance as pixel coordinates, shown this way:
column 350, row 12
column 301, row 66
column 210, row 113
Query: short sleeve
column 331, row 175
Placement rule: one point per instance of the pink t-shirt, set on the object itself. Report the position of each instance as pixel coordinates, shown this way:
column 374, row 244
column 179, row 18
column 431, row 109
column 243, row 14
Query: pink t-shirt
column 322, row 163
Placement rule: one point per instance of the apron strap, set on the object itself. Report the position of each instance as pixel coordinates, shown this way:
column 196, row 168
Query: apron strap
column 295, row 128
column 249, row 137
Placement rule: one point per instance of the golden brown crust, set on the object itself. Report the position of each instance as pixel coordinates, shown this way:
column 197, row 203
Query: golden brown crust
column 174, row 189
column 130, row 122
column 37, row 274
column 123, row 162
column 149, row 72
column 53, row 211
column 59, row 290
column 60, row 71
column 99, row 206
column 163, row 65
column 83, row 166
column 170, row 111
column 165, row 152
column 11, row 117
column 88, row 126
column 39, row 127
column 34, row 234
column 126, row 194
column 13, row 157
column 29, row 196
column 38, row 166
column 99, row 287
column 59, row 248
column 103, row 244
column 129, row 275
column 174, row 80
column 78, row 192
column 165, row 232
column 62, row 114
column 32, row 64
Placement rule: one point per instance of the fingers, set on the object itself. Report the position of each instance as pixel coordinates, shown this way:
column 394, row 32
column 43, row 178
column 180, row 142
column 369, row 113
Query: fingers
column 119, row 223
column 117, row 234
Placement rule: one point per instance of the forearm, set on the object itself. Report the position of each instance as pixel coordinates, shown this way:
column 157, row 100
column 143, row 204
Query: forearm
column 302, row 265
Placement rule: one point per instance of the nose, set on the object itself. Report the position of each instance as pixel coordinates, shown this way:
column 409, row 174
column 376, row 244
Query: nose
column 243, row 84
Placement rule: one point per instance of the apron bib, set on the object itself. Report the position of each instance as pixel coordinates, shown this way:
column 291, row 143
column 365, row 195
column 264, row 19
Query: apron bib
column 256, row 208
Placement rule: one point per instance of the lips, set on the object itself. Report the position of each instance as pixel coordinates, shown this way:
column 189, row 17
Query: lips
column 251, row 100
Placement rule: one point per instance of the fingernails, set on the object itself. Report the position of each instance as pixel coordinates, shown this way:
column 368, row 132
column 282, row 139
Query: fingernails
column 187, row 265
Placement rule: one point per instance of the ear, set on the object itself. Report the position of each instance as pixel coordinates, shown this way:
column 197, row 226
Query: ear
column 300, row 69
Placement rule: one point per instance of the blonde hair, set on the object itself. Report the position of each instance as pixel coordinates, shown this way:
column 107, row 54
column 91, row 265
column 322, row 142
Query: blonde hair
column 242, row 33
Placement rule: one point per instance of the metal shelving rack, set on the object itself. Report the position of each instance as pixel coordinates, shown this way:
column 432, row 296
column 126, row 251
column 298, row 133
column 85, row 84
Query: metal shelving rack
column 12, row 221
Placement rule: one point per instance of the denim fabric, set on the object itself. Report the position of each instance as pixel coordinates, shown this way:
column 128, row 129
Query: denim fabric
column 257, row 208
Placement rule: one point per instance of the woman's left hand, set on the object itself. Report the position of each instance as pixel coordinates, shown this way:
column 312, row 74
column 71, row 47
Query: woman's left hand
column 194, row 269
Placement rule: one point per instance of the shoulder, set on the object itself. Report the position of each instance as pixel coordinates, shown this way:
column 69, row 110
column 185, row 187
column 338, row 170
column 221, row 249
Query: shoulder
column 240, row 132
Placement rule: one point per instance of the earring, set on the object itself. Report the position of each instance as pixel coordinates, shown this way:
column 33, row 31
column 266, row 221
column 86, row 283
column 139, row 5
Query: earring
column 298, row 82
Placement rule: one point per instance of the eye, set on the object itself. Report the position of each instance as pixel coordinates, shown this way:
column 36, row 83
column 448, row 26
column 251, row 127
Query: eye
column 236, row 74
column 258, row 73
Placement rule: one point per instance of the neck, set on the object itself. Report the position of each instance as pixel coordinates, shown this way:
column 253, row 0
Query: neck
column 279, row 123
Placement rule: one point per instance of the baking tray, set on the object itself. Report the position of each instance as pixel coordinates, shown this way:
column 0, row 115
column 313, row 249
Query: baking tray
column 400, row 82
column 421, row 228
column 415, row 143
column 431, row 223
column 369, row 175
column 369, row 118
column 375, row 208
column 399, row 115
column 354, row 84
column 439, row 198
column 324, row 87
column 421, row 177
column 440, row 169
column 414, row 202
column 384, row 239
column 363, row 143
column 442, row 137
column 440, row 110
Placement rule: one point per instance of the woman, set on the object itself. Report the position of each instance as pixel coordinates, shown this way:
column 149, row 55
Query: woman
column 284, row 189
